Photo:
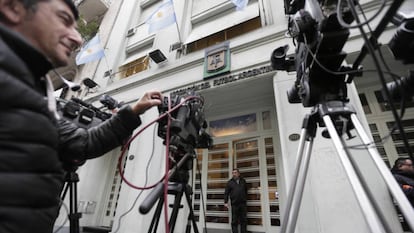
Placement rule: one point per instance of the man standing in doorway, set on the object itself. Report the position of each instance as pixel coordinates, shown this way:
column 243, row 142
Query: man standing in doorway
column 236, row 189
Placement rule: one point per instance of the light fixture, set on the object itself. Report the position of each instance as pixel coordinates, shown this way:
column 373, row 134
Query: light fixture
column 89, row 83
column 157, row 56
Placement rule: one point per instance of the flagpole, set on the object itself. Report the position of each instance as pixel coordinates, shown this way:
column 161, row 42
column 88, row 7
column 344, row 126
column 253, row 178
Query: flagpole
column 107, row 66
column 176, row 23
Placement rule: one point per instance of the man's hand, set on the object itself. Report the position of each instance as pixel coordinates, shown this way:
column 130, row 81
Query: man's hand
column 226, row 205
column 148, row 100
column 407, row 187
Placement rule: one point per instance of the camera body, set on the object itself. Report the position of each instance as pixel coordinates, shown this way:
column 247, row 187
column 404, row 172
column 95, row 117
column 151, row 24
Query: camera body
column 319, row 41
column 82, row 114
column 188, row 124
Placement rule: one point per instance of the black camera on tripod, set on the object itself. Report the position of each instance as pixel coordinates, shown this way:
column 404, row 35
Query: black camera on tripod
column 188, row 124
column 183, row 120
column 319, row 39
column 402, row 47
column 81, row 113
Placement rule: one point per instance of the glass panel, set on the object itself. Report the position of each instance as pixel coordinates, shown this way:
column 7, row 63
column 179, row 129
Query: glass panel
column 408, row 126
column 272, row 183
column 267, row 122
column 254, row 221
column 218, row 174
column 222, row 155
column 223, row 146
column 233, row 125
column 256, row 208
column 216, row 207
column 378, row 143
column 364, row 103
column 217, row 219
column 214, row 185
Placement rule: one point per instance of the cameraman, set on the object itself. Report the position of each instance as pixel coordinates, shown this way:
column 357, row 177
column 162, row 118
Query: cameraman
column 35, row 37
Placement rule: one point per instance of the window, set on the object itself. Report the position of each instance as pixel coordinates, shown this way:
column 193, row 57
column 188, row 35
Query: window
column 224, row 35
column 233, row 125
column 408, row 126
column 133, row 67
column 365, row 104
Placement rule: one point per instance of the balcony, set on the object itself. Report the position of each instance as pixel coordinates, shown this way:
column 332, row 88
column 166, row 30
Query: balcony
column 92, row 9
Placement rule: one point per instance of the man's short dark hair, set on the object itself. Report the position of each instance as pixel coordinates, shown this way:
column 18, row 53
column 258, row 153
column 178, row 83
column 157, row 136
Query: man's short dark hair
column 73, row 8
column 32, row 4
column 399, row 162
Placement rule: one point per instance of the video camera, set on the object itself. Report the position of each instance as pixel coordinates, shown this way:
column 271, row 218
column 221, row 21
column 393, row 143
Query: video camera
column 402, row 47
column 320, row 29
column 319, row 41
column 81, row 113
column 188, row 124
column 187, row 131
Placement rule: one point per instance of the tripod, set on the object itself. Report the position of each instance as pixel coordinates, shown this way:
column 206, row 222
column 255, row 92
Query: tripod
column 339, row 118
column 178, row 189
column 72, row 179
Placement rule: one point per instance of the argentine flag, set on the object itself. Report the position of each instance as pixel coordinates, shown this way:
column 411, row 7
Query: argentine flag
column 240, row 4
column 162, row 17
column 90, row 52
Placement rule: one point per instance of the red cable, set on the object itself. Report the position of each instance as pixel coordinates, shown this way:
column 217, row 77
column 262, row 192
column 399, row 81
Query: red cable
column 167, row 141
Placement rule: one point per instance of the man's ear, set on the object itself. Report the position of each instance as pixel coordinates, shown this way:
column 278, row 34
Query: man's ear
column 12, row 11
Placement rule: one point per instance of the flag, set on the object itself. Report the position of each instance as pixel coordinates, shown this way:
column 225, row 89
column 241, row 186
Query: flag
column 92, row 51
column 162, row 17
column 240, row 4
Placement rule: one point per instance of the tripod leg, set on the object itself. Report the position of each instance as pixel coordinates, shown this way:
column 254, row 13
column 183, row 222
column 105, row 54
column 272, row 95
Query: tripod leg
column 156, row 218
column 176, row 207
column 392, row 184
column 191, row 214
column 298, row 183
column 74, row 216
column 365, row 203
column 65, row 190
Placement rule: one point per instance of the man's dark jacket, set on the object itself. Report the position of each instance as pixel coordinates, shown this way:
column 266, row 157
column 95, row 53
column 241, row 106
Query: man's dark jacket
column 405, row 180
column 236, row 191
column 33, row 143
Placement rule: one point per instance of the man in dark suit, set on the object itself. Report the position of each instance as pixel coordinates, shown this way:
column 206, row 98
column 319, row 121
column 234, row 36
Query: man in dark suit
column 236, row 189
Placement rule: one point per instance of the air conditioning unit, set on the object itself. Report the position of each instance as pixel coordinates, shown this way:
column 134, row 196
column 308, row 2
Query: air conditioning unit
column 176, row 46
column 131, row 32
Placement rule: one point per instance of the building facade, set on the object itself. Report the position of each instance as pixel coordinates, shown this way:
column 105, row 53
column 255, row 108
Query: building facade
column 224, row 55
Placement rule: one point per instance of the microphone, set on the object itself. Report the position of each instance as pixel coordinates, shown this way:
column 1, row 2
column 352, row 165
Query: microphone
column 73, row 86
